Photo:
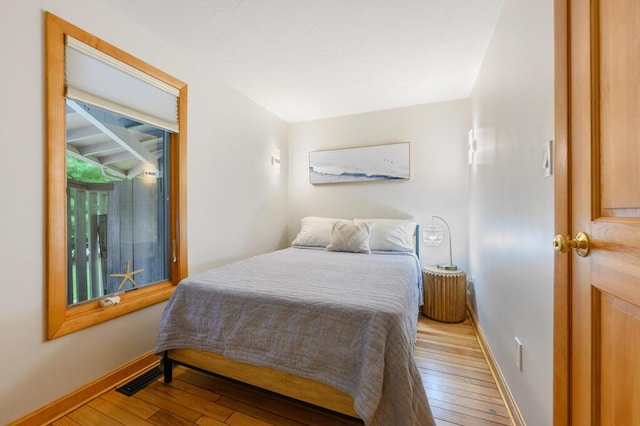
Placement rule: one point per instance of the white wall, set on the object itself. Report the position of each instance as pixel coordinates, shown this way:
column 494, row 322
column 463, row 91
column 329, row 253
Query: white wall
column 511, row 205
column 236, row 206
column 439, row 171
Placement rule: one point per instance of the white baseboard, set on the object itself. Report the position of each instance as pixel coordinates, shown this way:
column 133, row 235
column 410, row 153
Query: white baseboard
column 503, row 388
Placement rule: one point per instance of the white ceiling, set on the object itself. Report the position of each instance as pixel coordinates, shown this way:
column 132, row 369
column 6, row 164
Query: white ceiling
column 310, row 59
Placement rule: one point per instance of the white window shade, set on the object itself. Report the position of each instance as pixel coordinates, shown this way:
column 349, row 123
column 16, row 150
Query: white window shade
column 101, row 80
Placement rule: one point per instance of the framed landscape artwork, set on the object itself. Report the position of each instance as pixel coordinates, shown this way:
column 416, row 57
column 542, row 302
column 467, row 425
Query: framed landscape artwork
column 378, row 162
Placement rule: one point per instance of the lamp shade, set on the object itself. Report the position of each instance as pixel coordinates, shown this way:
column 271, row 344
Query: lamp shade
column 432, row 234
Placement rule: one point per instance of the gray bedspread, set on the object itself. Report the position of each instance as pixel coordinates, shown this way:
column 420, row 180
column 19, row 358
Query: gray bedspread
column 344, row 319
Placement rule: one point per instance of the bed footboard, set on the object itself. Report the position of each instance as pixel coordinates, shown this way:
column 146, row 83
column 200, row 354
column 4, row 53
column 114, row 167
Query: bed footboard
column 292, row 386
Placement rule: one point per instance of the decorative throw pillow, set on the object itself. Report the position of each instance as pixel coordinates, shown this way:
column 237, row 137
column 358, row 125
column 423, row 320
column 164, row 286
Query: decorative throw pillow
column 350, row 236
column 314, row 232
column 391, row 234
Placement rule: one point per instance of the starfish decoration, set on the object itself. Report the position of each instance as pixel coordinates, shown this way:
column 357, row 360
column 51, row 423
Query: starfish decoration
column 127, row 276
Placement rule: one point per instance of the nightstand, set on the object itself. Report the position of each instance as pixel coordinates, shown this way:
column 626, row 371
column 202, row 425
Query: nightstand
column 445, row 294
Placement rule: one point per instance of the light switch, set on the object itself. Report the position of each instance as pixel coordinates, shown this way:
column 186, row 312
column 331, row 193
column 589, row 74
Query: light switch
column 546, row 159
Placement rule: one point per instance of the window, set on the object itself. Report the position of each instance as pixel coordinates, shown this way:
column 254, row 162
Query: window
column 117, row 203
column 116, row 187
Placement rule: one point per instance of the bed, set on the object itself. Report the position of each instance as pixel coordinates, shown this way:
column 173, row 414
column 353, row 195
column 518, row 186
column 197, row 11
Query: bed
column 316, row 322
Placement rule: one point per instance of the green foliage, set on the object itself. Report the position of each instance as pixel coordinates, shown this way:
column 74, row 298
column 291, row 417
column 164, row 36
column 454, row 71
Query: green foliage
column 82, row 171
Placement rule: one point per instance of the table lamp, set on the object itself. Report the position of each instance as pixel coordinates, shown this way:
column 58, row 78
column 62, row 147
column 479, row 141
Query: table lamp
column 432, row 235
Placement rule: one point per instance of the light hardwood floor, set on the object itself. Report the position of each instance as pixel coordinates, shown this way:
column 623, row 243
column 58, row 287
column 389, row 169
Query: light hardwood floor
column 456, row 376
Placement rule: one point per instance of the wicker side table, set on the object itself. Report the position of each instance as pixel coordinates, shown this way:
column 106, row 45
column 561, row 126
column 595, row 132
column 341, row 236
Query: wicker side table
column 445, row 294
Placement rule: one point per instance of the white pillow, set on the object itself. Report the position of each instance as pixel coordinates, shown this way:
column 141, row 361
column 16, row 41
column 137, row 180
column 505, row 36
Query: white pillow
column 350, row 236
column 391, row 234
column 314, row 232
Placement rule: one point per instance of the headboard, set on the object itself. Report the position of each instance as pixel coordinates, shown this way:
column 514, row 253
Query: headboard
column 416, row 239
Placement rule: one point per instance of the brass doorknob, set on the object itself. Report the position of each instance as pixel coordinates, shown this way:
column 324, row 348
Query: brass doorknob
column 564, row 243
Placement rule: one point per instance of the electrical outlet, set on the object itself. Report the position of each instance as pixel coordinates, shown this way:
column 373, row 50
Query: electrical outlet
column 518, row 353
column 470, row 282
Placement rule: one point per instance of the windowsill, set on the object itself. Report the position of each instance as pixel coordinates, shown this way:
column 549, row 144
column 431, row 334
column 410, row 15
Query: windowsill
column 87, row 314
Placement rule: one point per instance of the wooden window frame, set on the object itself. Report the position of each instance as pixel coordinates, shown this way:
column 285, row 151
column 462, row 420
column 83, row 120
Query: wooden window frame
column 63, row 319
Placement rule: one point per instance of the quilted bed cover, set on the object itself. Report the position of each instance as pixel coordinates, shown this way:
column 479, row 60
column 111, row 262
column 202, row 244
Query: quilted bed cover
column 348, row 320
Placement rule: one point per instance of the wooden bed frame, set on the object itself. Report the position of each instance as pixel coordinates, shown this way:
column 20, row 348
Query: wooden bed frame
column 290, row 385
column 287, row 384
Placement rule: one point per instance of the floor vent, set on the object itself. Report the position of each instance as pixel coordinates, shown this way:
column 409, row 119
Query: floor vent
column 140, row 382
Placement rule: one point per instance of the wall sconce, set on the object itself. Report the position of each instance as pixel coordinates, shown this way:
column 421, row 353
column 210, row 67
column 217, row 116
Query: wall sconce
column 472, row 145
column 150, row 176
column 275, row 161
column 432, row 235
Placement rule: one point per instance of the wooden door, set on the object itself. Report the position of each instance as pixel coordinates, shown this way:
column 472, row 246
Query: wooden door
column 597, row 298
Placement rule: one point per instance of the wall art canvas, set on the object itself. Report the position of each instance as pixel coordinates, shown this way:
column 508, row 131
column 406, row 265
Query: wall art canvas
column 379, row 162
